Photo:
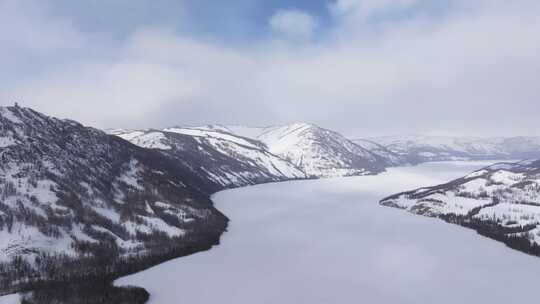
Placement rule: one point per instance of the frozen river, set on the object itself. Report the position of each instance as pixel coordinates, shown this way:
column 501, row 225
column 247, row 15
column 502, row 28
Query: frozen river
column 328, row 241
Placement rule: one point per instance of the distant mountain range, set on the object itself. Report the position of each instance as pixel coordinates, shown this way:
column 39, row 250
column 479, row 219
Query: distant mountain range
column 418, row 149
column 297, row 150
column 501, row 201
column 78, row 203
column 266, row 154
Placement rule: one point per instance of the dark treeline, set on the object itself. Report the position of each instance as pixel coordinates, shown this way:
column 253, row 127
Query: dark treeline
column 51, row 274
column 516, row 237
column 505, row 229
column 86, row 293
column 61, row 174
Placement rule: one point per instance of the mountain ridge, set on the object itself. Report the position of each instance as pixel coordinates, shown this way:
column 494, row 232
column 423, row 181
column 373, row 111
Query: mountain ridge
column 501, row 201
column 133, row 198
column 79, row 204
column 421, row 148
column 319, row 152
column 225, row 159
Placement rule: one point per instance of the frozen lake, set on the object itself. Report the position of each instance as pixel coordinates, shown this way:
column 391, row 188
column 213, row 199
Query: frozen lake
column 328, row 241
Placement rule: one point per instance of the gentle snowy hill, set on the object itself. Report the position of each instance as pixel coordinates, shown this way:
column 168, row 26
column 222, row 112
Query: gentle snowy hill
column 318, row 152
column 79, row 204
column 501, row 201
column 223, row 158
column 418, row 149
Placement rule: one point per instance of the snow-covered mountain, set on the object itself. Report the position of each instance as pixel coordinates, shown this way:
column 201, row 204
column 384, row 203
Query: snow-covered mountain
column 417, row 149
column 215, row 155
column 282, row 150
column 501, row 201
column 390, row 157
column 318, row 152
column 77, row 203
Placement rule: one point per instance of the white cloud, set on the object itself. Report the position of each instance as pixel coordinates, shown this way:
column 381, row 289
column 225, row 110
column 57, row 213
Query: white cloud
column 30, row 30
column 473, row 71
column 293, row 23
column 367, row 8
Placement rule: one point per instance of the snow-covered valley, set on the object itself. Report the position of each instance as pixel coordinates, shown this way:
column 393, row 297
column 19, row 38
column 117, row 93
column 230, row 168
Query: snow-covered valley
column 83, row 208
column 329, row 241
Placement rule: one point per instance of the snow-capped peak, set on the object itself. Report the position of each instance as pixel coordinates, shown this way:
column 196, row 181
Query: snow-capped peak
column 319, row 152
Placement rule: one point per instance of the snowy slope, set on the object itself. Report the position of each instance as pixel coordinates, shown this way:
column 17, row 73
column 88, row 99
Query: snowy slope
column 225, row 159
column 10, row 299
column 418, row 148
column 392, row 158
column 81, row 201
column 326, row 242
column 501, row 201
column 318, row 152
column 247, row 131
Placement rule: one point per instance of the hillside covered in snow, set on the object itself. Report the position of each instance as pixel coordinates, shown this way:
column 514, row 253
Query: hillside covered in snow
column 78, row 204
column 223, row 159
column 389, row 157
column 255, row 154
column 235, row 155
column 416, row 149
column 501, row 201
column 317, row 151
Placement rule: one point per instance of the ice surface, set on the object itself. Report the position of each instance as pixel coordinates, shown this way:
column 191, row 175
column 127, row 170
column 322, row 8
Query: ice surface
column 10, row 299
column 329, row 241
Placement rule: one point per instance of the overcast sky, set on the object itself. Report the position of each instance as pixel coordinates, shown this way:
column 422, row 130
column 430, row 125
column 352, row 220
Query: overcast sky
column 362, row 67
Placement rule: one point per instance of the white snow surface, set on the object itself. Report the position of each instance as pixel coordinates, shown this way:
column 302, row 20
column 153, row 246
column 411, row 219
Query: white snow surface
column 517, row 195
column 7, row 114
column 310, row 148
column 222, row 140
column 507, row 177
column 10, row 299
column 211, row 134
column 328, row 241
column 6, row 141
column 27, row 241
column 150, row 139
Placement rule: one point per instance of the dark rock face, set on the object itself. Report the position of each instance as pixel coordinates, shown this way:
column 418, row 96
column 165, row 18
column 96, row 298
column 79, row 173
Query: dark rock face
column 78, row 204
